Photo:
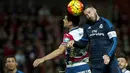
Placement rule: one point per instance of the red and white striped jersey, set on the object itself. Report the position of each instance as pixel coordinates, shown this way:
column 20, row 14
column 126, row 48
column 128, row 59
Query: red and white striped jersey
column 78, row 54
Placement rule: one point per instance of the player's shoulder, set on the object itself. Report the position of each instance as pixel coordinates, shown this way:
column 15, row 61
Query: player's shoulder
column 67, row 35
column 104, row 19
column 76, row 30
column 107, row 22
column 80, row 29
column 77, row 33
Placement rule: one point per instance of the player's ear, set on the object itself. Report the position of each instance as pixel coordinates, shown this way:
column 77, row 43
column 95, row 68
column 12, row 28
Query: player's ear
column 94, row 9
column 6, row 64
column 16, row 64
column 126, row 64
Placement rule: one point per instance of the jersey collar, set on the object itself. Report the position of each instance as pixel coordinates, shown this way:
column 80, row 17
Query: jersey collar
column 73, row 29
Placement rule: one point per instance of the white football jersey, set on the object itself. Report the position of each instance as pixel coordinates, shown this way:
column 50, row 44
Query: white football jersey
column 77, row 34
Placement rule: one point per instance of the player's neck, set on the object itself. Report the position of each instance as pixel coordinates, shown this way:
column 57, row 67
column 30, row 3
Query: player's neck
column 14, row 71
column 72, row 27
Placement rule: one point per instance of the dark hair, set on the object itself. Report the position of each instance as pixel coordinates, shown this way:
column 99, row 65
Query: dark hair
column 123, row 56
column 75, row 19
column 88, row 6
column 9, row 57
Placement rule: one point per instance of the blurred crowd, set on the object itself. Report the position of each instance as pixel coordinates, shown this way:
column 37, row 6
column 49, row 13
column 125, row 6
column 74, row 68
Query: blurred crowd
column 34, row 32
column 29, row 35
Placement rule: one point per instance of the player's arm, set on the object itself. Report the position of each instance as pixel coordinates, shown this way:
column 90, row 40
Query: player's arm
column 55, row 53
column 82, row 43
column 112, row 37
column 52, row 55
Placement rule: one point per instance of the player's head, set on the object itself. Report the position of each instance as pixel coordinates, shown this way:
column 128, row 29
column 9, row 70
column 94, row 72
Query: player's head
column 122, row 62
column 70, row 20
column 10, row 63
column 90, row 12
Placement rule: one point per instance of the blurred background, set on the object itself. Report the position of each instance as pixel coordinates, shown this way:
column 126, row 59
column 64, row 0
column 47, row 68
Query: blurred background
column 30, row 29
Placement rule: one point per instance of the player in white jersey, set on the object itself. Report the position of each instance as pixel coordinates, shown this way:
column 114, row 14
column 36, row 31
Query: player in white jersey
column 123, row 63
column 76, row 60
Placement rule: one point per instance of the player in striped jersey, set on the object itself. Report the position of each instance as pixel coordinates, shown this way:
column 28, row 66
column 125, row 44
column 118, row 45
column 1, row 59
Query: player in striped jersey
column 76, row 60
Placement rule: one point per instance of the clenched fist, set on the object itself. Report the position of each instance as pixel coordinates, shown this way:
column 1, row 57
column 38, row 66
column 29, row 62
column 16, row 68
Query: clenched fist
column 106, row 59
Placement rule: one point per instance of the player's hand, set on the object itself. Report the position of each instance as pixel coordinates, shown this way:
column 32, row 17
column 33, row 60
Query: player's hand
column 70, row 44
column 106, row 59
column 38, row 61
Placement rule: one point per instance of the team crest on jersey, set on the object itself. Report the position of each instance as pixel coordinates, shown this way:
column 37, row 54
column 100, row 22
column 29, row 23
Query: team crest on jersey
column 66, row 40
column 101, row 26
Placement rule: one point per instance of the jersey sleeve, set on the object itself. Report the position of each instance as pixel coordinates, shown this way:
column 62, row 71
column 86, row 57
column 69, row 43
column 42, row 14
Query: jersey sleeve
column 112, row 37
column 67, row 37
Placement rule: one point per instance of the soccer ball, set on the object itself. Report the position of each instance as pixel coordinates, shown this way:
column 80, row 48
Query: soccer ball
column 75, row 7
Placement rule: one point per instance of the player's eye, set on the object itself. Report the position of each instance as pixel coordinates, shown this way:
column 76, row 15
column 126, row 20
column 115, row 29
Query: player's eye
column 8, row 61
column 13, row 61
